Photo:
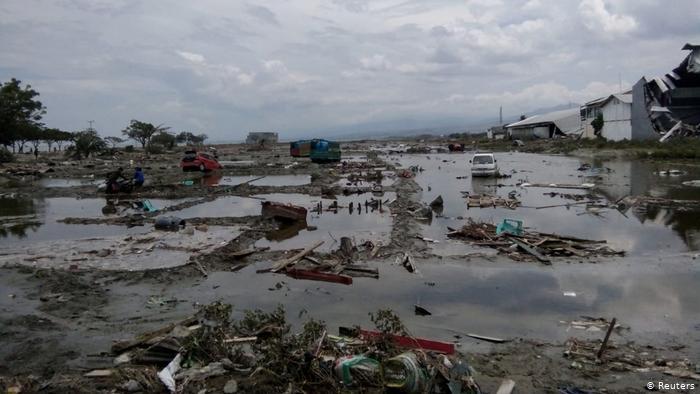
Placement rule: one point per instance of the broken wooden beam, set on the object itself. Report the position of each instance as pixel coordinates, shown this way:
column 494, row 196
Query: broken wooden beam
column 282, row 264
column 529, row 249
column 605, row 341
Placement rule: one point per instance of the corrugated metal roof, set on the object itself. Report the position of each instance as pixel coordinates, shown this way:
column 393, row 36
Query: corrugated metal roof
column 625, row 98
column 596, row 101
column 551, row 117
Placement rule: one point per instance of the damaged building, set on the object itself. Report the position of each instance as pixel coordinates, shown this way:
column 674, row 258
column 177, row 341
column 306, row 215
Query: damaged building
column 616, row 111
column 669, row 106
column 549, row 125
column 656, row 108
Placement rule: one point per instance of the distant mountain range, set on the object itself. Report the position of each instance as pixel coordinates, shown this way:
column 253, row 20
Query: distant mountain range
column 431, row 125
column 407, row 127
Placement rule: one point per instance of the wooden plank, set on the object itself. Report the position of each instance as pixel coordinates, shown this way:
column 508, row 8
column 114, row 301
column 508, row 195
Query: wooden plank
column 529, row 249
column 284, row 263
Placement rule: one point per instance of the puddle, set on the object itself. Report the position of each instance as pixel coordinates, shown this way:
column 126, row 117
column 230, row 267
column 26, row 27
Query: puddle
column 69, row 182
column 635, row 232
column 359, row 225
column 216, row 179
column 26, row 220
column 229, row 206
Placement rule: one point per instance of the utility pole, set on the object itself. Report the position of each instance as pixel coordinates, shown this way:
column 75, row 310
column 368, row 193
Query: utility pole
column 500, row 116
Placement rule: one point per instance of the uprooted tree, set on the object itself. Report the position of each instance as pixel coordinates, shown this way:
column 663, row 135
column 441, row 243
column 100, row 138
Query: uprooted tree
column 143, row 132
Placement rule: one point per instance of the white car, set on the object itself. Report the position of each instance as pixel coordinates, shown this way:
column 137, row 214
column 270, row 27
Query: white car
column 484, row 164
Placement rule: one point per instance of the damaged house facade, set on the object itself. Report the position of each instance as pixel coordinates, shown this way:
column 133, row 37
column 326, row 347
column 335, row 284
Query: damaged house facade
column 549, row 125
column 616, row 110
column 657, row 108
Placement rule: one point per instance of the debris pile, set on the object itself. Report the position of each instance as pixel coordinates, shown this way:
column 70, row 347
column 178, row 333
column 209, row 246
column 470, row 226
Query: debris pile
column 488, row 201
column 259, row 353
column 338, row 267
column 624, row 358
column 531, row 244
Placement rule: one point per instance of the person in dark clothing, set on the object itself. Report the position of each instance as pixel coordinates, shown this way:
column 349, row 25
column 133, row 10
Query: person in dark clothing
column 139, row 177
column 113, row 179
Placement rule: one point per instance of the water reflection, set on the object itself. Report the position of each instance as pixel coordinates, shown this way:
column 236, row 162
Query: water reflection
column 26, row 219
column 637, row 232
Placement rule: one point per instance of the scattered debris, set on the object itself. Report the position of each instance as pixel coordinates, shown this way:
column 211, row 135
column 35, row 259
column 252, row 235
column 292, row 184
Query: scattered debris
column 487, row 339
column 486, row 201
column 283, row 211
column 420, row 311
column 534, row 244
column 559, row 185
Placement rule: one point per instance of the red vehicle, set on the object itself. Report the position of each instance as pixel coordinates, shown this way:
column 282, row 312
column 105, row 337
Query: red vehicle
column 197, row 161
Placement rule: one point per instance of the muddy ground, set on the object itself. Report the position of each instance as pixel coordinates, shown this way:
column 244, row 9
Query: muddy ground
column 65, row 297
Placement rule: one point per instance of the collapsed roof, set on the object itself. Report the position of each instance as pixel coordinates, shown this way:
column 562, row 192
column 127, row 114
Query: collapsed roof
column 672, row 101
column 566, row 121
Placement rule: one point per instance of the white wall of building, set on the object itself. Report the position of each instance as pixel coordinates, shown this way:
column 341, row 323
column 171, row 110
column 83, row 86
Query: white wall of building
column 617, row 116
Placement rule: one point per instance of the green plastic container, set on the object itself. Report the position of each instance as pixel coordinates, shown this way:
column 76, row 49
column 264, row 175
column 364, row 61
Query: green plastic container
column 510, row 226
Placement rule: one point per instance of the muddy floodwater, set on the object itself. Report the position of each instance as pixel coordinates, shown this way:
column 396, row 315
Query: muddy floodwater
column 651, row 289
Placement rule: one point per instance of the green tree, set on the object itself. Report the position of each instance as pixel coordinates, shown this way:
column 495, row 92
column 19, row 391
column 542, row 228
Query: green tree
column 36, row 135
column 164, row 139
column 51, row 136
column 85, row 143
column 142, row 132
column 113, row 141
column 61, row 137
column 598, row 124
column 199, row 139
column 20, row 112
column 184, row 137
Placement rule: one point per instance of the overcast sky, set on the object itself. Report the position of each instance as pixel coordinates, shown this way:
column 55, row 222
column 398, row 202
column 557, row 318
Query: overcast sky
column 226, row 67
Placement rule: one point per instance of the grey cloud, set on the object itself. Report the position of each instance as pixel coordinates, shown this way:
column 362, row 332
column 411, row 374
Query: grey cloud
column 353, row 5
column 262, row 13
column 298, row 66
column 445, row 56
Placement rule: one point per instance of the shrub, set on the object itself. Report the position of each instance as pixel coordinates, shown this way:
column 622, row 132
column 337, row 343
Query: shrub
column 6, row 156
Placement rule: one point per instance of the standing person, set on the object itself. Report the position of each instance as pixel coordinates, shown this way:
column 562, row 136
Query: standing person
column 36, row 154
column 139, row 177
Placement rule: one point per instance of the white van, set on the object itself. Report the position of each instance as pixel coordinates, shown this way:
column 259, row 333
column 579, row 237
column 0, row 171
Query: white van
column 484, row 164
